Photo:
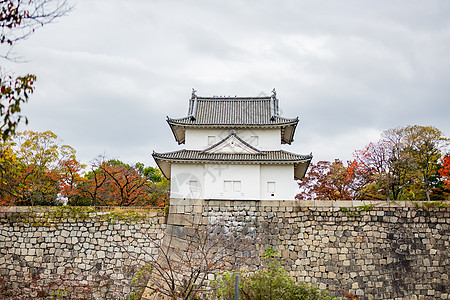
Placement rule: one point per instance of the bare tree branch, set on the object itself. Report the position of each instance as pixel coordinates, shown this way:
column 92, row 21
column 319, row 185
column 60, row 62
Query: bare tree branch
column 187, row 255
column 20, row 18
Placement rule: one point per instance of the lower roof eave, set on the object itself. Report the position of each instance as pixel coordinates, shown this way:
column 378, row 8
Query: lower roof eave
column 164, row 166
column 164, row 163
column 301, row 168
column 280, row 162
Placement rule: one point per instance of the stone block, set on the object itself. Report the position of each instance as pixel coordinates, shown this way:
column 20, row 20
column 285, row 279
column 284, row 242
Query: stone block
column 286, row 203
column 179, row 219
column 305, row 203
column 101, row 254
column 342, row 203
column 269, row 203
column 324, row 203
column 172, row 209
column 356, row 203
column 179, row 201
column 218, row 203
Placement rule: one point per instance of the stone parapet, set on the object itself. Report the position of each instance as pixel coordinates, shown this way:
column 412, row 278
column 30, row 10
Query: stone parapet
column 373, row 249
column 74, row 256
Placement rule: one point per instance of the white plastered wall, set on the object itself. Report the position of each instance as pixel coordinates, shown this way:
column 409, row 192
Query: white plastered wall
column 217, row 174
column 282, row 177
column 253, row 181
column 182, row 178
column 268, row 138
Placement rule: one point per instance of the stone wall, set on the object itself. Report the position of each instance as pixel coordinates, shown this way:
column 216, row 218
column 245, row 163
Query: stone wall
column 376, row 250
column 75, row 256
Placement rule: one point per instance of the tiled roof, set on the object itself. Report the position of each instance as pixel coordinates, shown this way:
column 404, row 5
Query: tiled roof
column 300, row 162
column 279, row 156
column 233, row 111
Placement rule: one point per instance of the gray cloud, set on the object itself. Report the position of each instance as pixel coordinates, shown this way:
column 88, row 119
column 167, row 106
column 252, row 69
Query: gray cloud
column 110, row 72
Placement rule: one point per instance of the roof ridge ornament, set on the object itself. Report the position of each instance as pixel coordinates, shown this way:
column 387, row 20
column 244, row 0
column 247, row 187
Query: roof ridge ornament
column 193, row 105
column 274, row 105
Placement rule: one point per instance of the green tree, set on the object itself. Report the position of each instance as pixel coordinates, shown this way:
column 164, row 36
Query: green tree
column 159, row 187
column 39, row 168
column 42, row 149
column 423, row 145
column 270, row 281
column 13, row 92
column 9, row 173
column 405, row 162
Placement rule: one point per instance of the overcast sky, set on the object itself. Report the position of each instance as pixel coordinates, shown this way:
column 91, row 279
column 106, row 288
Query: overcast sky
column 111, row 71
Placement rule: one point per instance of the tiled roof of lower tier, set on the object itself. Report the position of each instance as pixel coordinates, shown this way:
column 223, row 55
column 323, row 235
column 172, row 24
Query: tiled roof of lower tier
column 279, row 156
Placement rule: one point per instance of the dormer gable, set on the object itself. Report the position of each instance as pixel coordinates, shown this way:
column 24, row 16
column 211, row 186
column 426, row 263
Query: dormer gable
column 232, row 144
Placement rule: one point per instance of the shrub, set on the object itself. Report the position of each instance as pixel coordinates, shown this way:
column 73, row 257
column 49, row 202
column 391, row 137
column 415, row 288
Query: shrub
column 270, row 282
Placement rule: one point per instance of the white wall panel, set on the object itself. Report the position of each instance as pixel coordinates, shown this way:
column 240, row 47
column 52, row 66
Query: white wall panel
column 183, row 177
column 210, row 181
column 282, row 176
column 246, row 177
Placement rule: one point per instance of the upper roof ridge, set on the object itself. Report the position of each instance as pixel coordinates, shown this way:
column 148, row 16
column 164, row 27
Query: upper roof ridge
column 232, row 98
column 239, row 112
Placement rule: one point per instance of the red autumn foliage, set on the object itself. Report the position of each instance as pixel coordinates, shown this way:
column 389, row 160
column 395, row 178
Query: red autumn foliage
column 350, row 296
column 124, row 186
column 333, row 181
column 69, row 176
column 35, row 169
column 444, row 171
column 114, row 183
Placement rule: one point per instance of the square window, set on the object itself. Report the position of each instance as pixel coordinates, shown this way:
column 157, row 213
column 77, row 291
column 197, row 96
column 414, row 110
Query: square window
column 232, row 186
column 193, row 186
column 227, row 185
column 211, row 140
column 236, row 186
column 271, row 187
